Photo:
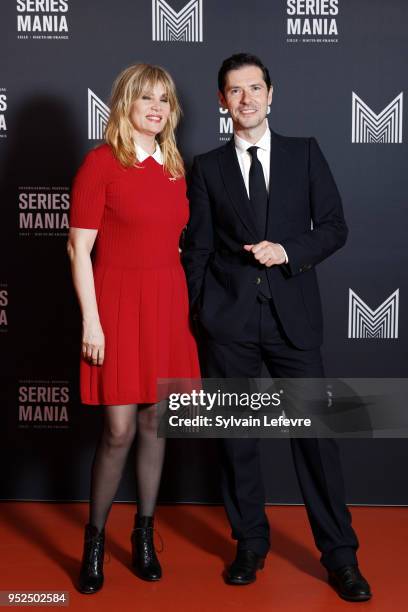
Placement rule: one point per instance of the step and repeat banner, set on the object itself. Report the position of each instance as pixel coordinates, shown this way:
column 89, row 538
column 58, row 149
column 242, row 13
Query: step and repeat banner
column 339, row 73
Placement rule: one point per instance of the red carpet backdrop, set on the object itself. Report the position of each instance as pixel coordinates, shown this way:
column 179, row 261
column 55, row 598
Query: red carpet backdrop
column 339, row 73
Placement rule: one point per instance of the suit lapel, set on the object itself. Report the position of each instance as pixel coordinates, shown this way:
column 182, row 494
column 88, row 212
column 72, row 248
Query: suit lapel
column 235, row 186
column 278, row 181
column 279, row 185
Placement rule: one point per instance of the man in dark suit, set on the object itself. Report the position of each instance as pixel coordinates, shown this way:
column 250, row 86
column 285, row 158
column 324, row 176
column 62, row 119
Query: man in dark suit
column 265, row 211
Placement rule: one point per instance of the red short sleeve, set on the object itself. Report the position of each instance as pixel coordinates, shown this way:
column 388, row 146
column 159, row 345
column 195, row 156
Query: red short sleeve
column 88, row 194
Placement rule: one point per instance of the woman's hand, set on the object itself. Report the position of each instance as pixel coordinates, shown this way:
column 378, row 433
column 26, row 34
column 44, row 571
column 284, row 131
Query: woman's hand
column 79, row 247
column 93, row 342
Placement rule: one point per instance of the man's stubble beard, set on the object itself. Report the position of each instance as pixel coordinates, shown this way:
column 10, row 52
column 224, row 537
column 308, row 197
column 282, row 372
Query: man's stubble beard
column 240, row 126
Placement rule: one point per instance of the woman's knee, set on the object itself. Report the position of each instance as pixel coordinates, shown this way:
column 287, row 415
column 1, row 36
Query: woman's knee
column 119, row 435
column 148, row 420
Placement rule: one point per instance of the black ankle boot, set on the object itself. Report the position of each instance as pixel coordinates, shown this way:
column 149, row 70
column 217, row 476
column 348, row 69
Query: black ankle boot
column 144, row 559
column 91, row 574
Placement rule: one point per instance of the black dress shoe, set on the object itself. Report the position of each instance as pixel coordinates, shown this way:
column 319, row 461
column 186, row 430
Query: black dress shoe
column 350, row 584
column 243, row 569
column 91, row 573
column 144, row 559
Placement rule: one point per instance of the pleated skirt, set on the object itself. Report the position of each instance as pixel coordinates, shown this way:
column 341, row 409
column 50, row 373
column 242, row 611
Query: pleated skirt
column 144, row 315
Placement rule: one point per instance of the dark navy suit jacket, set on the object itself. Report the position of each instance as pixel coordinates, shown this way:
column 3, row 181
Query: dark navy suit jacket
column 305, row 215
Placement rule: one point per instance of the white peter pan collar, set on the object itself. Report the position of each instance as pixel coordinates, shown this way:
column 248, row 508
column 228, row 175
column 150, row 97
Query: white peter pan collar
column 142, row 155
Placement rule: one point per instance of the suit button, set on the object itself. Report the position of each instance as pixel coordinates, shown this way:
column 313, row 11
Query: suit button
column 258, row 280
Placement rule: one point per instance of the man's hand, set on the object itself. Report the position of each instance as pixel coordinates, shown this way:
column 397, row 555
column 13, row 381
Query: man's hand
column 267, row 253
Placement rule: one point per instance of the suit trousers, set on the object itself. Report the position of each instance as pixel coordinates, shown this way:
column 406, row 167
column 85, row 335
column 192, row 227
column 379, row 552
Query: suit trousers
column 317, row 460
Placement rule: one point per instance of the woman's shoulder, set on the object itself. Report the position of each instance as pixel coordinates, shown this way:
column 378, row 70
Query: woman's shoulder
column 100, row 159
column 102, row 152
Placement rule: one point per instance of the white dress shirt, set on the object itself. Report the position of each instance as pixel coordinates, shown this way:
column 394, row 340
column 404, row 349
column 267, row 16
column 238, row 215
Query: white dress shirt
column 142, row 155
column 263, row 152
column 264, row 156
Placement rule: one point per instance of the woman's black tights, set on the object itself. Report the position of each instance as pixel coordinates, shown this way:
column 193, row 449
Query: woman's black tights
column 121, row 425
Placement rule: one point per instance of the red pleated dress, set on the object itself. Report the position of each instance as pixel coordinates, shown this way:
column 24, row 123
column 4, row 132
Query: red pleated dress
column 140, row 284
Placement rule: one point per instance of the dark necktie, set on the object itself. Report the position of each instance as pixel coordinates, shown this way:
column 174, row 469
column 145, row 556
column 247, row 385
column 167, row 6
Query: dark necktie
column 259, row 200
column 257, row 191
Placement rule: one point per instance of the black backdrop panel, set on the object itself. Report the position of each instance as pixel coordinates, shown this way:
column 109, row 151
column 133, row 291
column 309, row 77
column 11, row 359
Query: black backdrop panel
column 344, row 86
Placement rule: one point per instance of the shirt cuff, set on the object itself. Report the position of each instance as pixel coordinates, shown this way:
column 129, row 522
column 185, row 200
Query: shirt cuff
column 286, row 255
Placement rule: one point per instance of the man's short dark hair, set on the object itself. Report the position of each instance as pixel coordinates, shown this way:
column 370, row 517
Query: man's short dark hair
column 238, row 60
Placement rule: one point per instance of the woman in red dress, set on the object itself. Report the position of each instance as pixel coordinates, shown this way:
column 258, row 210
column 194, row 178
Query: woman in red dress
column 129, row 207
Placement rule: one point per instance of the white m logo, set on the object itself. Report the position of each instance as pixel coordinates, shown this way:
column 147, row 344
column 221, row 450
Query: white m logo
column 367, row 323
column 98, row 115
column 184, row 26
column 385, row 127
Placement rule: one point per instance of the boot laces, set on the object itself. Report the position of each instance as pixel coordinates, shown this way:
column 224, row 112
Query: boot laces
column 150, row 530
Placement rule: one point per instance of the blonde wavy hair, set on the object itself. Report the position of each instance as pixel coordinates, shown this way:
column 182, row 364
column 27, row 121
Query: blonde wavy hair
column 127, row 87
